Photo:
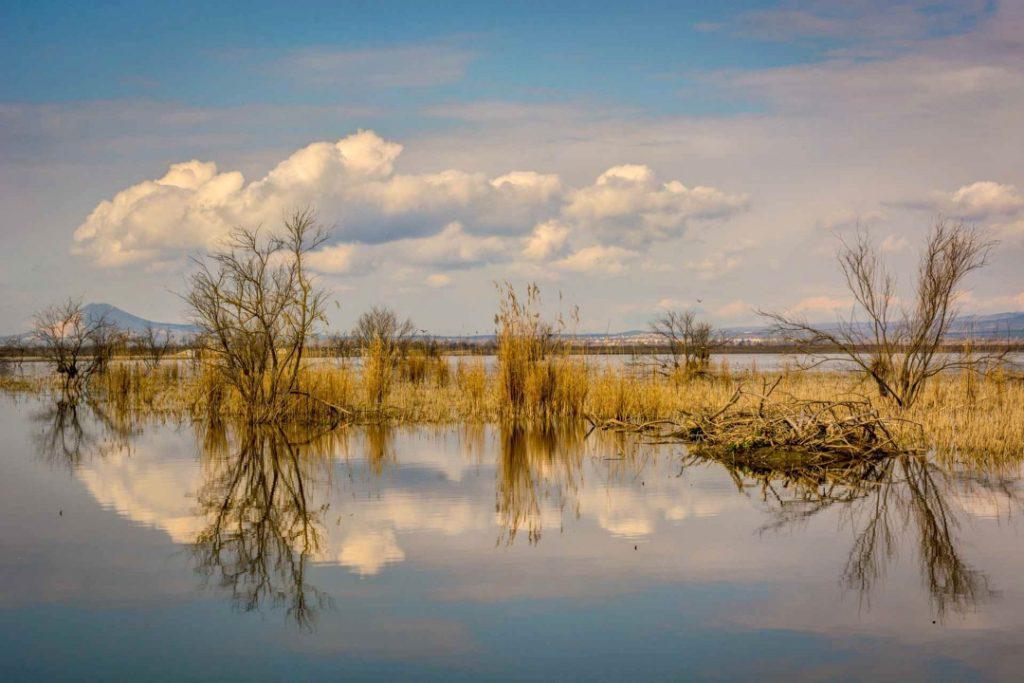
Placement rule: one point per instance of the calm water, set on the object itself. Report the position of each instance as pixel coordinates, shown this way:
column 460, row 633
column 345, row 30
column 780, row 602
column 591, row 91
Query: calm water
column 167, row 552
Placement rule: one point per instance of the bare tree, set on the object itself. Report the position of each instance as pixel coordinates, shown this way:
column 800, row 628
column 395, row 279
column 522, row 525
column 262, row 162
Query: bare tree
column 12, row 354
column 78, row 345
column 382, row 323
column 688, row 341
column 898, row 347
column 257, row 306
column 155, row 344
column 383, row 339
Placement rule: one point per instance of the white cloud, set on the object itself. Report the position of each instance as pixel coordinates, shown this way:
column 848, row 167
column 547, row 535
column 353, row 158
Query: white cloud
column 446, row 219
column 453, row 247
column 337, row 259
column 985, row 199
column 999, row 205
column 627, row 206
column 548, row 239
column 352, row 181
column 597, row 259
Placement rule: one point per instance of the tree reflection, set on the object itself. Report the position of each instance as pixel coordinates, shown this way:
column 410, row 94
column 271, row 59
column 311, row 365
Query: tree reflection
column 71, row 431
column 912, row 501
column 262, row 528
column 884, row 501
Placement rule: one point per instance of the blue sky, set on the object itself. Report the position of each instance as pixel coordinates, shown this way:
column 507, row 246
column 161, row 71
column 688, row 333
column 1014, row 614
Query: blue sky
column 191, row 51
column 678, row 151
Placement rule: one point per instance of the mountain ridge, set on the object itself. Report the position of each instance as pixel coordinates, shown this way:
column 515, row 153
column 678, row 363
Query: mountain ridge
column 1008, row 324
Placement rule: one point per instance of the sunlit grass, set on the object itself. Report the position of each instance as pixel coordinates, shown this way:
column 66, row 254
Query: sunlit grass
column 961, row 416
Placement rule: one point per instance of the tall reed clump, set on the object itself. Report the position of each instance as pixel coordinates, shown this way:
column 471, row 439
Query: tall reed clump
column 377, row 372
column 133, row 386
column 536, row 377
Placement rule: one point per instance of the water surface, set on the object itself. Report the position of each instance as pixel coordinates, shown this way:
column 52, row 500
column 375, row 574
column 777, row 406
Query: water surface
column 170, row 552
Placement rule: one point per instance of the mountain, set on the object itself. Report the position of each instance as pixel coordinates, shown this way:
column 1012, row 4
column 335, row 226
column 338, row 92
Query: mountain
column 136, row 325
column 992, row 326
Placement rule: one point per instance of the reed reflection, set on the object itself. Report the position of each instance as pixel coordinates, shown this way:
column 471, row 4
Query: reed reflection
column 263, row 522
column 534, row 466
column 543, row 465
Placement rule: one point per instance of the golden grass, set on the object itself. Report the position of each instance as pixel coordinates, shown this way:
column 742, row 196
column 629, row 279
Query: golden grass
column 962, row 416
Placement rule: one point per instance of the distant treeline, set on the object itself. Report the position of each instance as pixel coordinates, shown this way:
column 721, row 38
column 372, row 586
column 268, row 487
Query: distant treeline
column 347, row 347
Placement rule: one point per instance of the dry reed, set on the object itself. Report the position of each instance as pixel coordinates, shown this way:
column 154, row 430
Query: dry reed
column 961, row 417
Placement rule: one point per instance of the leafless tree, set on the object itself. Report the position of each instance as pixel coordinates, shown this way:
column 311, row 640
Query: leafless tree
column 688, row 341
column 14, row 350
column 155, row 344
column 899, row 346
column 78, row 345
column 382, row 323
column 383, row 339
column 341, row 345
column 256, row 306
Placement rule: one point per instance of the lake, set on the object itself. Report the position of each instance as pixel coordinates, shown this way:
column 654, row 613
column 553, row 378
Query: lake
column 167, row 551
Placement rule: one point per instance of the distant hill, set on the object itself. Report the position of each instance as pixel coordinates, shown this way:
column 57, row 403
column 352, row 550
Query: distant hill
column 136, row 325
column 994, row 325
column 991, row 326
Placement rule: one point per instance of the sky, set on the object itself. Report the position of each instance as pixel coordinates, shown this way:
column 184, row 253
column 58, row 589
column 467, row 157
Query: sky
column 627, row 159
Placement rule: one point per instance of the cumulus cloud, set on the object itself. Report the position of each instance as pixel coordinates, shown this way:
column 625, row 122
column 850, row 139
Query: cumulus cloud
column 628, row 206
column 598, row 258
column 183, row 209
column 548, row 239
column 337, row 259
column 453, row 247
column 984, row 199
column 352, row 180
column 999, row 205
column 443, row 220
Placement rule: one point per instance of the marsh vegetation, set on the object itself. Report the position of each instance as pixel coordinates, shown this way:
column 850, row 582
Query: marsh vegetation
column 259, row 311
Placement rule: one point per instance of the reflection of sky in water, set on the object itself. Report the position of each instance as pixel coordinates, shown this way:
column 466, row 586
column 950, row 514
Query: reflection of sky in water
column 451, row 552
column 433, row 487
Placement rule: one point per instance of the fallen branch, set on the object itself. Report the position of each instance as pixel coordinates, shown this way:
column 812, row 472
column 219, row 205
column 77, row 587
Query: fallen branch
column 850, row 428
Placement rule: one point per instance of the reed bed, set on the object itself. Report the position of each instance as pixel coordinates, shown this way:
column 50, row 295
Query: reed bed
column 959, row 417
